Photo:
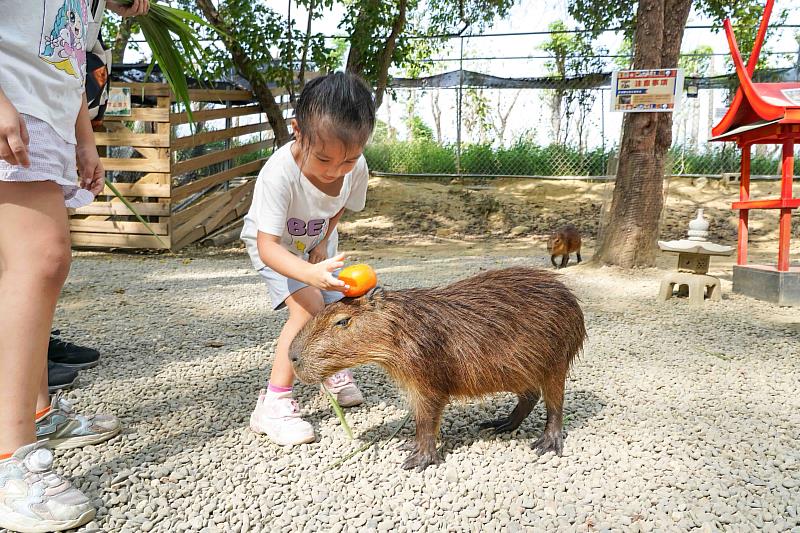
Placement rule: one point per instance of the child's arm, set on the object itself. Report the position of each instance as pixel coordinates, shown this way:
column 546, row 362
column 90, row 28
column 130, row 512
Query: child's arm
column 320, row 252
column 13, row 134
column 282, row 261
column 89, row 166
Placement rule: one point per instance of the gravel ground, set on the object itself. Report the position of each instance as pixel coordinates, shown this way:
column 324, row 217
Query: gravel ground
column 676, row 419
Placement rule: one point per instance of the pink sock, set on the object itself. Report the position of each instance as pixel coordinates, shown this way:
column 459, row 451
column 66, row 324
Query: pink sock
column 276, row 388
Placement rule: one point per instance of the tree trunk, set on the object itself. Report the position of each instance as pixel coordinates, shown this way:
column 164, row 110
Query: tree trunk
column 629, row 238
column 121, row 40
column 251, row 72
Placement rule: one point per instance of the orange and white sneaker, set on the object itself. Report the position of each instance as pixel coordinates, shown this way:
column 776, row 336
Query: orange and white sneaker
column 344, row 389
column 277, row 415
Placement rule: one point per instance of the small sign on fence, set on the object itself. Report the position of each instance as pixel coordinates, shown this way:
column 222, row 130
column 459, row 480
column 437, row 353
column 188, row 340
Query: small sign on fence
column 657, row 90
column 119, row 102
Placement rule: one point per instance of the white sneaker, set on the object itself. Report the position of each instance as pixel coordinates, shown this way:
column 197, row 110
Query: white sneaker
column 35, row 499
column 277, row 415
column 342, row 386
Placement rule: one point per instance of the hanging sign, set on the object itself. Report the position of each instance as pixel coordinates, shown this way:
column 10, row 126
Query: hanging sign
column 119, row 102
column 657, row 90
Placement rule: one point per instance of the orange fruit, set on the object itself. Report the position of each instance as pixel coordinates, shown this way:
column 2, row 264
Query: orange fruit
column 361, row 278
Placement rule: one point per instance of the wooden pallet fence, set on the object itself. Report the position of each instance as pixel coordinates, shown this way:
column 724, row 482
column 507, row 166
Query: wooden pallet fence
column 185, row 182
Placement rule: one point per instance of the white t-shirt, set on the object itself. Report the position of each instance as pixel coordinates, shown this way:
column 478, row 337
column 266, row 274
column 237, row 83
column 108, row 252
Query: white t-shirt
column 43, row 59
column 287, row 205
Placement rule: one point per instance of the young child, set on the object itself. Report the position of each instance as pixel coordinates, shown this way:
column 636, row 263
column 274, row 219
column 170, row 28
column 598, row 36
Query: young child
column 291, row 234
column 44, row 131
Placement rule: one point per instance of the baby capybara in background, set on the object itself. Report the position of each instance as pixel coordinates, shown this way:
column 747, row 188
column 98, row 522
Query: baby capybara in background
column 563, row 242
column 516, row 330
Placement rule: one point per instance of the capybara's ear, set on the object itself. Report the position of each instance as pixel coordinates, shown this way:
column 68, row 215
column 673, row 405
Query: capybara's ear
column 375, row 296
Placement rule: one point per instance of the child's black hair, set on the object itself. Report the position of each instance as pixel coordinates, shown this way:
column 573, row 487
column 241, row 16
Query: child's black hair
column 338, row 104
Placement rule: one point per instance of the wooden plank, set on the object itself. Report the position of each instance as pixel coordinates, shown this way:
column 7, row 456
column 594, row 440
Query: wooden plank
column 112, row 240
column 191, row 141
column 125, row 137
column 146, row 114
column 215, row 179
column 184, row 221
column 217, row 157
column 201, row 231
column 157, row 190
column 115, row 226
column 777, row 203
column 135, row 165
column 213, row 114
column 237, row 194
column 118, row 208
column 220, row 95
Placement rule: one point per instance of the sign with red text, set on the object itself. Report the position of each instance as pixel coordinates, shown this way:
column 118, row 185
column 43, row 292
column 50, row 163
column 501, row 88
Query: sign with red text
column 648, row 91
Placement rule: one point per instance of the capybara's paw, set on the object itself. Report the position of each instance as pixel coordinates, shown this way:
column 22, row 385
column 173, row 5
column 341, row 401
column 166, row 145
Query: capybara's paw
column 421, row 460
column 549, row 442
column 501, row 425
column 408, row 446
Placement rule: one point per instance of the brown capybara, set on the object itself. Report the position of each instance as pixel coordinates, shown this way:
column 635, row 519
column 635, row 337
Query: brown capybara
column 516, row 330
column 563, row 242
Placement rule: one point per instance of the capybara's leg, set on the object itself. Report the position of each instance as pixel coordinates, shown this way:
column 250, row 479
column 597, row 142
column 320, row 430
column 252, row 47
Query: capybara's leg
column 525, row 404
column 579, row 256
column 553, row 260
column 427, row 416
column 564, row 260
column 553, row 396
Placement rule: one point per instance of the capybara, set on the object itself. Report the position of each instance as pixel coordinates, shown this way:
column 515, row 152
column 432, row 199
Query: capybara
column 516, row 330
column 563, row 242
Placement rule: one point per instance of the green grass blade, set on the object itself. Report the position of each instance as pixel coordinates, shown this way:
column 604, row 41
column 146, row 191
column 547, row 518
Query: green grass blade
column 363, row 447
column 137, row 215
column 338, row 410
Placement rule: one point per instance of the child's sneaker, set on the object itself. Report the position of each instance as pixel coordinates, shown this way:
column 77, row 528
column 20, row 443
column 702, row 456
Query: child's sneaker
column 33, row 498
column 277, row 415
column 64, row 429
column 342, row 386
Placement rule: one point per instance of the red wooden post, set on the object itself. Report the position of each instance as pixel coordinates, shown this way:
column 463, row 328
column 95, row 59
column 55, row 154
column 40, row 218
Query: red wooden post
column 787, row 172
column 744, row 195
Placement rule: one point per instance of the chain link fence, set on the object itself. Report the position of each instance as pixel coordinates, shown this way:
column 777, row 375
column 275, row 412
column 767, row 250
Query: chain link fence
column 443, row 131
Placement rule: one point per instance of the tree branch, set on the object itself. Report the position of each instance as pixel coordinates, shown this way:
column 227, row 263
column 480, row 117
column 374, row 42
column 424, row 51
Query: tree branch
column 250, row 71
column 385, row 60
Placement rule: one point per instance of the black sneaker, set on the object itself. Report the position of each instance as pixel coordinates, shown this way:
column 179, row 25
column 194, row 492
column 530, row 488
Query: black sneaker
column 60, row 377
column 71, row 355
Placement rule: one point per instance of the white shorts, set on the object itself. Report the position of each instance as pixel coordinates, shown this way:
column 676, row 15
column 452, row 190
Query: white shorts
column 52, row 159
column 280, row 287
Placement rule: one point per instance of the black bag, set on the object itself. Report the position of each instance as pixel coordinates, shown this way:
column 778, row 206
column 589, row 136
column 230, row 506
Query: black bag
column 98, row 65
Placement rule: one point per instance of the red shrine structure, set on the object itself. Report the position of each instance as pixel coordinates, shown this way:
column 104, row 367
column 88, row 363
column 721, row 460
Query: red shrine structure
column 763, row 113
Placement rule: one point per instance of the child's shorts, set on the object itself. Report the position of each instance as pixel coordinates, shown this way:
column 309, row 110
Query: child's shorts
column 280, row 287
column 52, row 159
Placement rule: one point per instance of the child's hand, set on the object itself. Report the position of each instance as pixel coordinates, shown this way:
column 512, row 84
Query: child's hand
column 321, row 275
column 91, row 170
column 14, row 138
column 318, row 253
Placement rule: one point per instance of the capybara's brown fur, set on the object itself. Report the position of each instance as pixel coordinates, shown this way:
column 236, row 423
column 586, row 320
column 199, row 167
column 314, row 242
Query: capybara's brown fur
column 516, row 330
column 563, row 242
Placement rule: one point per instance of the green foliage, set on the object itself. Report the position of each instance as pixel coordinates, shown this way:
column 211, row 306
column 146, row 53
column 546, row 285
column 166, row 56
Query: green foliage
column 597, row 15
column 418, row 130
column 698, row 62
column 524, row 158
column 368, row 23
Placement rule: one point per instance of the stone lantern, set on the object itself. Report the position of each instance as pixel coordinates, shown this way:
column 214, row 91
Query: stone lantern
column 694, row 255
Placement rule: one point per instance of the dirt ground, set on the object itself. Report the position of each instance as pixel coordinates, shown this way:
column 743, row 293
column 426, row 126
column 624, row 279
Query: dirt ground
column 508, row 216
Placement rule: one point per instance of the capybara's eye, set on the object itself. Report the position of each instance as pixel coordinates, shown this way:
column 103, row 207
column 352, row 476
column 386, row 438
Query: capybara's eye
column 342, row 323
